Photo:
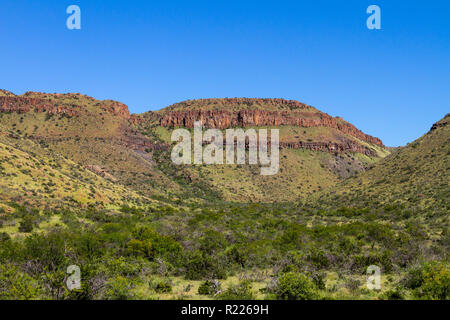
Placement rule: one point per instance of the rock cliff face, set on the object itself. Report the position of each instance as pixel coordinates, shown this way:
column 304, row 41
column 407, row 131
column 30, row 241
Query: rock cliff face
column 347, row 146
column 116, row 108
column 50, row 103
column 23, row 105
column 222, row 119
column 133, row 139
column 214, row 113
column 441, row 123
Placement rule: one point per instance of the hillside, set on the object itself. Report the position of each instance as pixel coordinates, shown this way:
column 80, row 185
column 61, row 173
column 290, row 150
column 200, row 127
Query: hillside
column 34, row 175
column 94, row 134
column 317, row 150
column 414, row 176
column 84, row 182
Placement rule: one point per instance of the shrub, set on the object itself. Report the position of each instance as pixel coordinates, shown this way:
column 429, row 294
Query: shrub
column 318, row 258
column 212, row 242
column 295, row 286
column 4, row 237
column 394, row 294
column 238, row 254
column 15, row 285
column 140, row 248
column 209, row 287
column 199, row 265
column 433, row 280
column 164, row 246
column 163, row 286
column 48, row 251
column 119, row 288
column 291, row 238
column 27, row 224
column 241, row 291
column 88, row 245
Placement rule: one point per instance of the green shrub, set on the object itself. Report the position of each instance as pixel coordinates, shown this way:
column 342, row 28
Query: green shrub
column 48, row 251
column 164, row 246
column 238, row 254
column 209, row 287
column 27, row 224
column 163, row 286
column 295, row 286
column 198, row 265
column 16, row 285
column 394, row 294
column 430, row 281
column 140, row 248
column 119, row 288
column 212, row 242
column 4, row 237
column 241, row 291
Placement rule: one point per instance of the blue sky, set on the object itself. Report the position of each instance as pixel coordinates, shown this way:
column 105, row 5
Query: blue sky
column 392, row 83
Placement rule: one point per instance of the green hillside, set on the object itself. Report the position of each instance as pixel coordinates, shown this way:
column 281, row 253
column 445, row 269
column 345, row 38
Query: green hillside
column 415, row 176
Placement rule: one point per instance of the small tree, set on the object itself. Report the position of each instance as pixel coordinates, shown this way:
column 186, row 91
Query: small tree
column 295, row 286
column 27, row 224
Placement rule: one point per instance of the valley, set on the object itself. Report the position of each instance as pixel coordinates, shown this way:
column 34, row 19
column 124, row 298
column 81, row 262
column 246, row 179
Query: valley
column 84, row 182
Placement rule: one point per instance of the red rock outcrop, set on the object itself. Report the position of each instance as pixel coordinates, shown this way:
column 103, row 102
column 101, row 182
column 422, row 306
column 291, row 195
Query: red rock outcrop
column 51, row 103
column 222, row 119
column 133, row 139
column 100, row 171
column 23, row 105
column 442, row 123
column 347, row 146
column 240, row 104
column 116, row 108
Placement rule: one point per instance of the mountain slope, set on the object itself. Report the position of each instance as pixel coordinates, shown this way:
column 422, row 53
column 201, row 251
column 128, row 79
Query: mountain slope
column 95, row 134
column 416, row 175
column 133, row 151
column 317, row 150
column 34, row 175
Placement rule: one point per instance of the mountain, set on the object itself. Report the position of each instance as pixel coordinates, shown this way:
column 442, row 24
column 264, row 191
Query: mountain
column 133, row 151
column 85, row 183
column 38, row 177
column 94, row 134
column 317, row 150
column 414, row 176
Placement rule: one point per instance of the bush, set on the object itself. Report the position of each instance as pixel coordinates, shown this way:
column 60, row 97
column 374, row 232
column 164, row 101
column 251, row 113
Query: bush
column 163, row 246
column 27, row 224
column 238, row 254
column 241, row 291
column 430, row 281
column 140, row 248
column 209, row 287
column 395, row 294
column 119, row 289
column 4, row 237
column 16, row 285
column 212, row 242
column 295, row 286
column 163, row 287
column 199, row 265
column 48, row 251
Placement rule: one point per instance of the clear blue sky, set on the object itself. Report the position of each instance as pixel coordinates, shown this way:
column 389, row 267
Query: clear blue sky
column 392, row 83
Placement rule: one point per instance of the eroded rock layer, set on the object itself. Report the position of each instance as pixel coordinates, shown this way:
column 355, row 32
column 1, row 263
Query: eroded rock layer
column 222, row 119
